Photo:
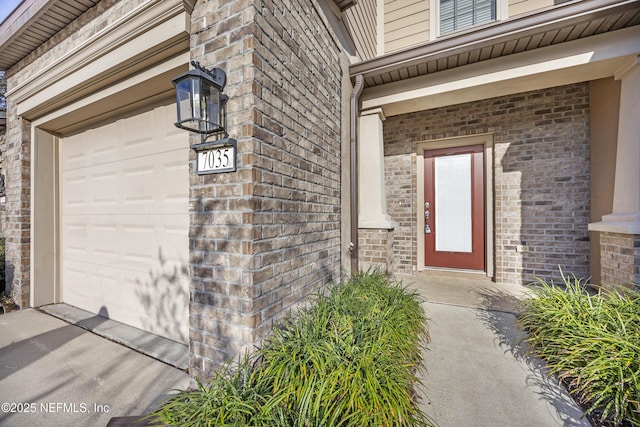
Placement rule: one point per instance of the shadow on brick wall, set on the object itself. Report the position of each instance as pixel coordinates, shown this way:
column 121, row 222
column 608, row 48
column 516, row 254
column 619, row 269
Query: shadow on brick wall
column 553, row 204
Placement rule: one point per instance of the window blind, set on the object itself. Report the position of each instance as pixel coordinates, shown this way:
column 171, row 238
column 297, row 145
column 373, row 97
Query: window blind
column 459, row 14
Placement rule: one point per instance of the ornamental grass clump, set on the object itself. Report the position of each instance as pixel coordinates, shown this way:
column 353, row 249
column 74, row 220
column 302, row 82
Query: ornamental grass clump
column 232, row 398
column 591, row 341
column 349, row 359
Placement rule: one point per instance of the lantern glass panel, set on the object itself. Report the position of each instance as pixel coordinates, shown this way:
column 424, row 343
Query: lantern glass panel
column 208, row 106
column 198, row 102
column 185, row 104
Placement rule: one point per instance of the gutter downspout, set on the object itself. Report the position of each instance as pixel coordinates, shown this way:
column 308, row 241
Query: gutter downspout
column 355, row 107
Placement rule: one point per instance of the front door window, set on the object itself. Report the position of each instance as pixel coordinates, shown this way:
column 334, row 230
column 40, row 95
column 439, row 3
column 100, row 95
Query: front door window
column 454, row 208
column 452, row 180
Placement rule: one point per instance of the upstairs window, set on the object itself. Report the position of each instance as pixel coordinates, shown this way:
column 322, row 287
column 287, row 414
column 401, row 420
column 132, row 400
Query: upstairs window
column 459, row 14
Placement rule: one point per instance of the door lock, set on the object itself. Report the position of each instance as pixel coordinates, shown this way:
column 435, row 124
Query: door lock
column 427, row 229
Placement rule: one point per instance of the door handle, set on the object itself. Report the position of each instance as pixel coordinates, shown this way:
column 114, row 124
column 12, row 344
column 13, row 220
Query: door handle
column 427, row 229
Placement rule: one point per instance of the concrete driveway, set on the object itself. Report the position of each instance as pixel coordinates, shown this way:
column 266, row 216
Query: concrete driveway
column 53, row 373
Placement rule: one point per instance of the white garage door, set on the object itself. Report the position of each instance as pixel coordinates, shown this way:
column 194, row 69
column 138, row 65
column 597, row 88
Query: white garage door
column 124, row 212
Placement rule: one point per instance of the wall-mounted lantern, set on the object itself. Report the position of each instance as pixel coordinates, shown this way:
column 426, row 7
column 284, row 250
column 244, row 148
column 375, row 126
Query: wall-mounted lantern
column 200, row 102
column 201, row 108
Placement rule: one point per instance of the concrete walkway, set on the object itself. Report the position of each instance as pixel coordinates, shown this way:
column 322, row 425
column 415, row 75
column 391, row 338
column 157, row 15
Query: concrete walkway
column 53, row 373
column 478, row 370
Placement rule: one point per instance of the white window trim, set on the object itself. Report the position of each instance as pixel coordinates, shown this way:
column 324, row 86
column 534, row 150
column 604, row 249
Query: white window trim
column 502, row 13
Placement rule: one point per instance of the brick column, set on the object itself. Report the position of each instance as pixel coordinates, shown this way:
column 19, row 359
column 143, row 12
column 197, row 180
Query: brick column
column 374, row 224
column 620, row 258
column 371, row 188
column 17, row 167
column 264, row 238
column 376, row 248
column 620, row 230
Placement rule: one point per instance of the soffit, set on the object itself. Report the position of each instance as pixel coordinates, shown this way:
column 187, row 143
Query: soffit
column 155, row 32
column 36, row 21
column 551, row 26
column 33, row 23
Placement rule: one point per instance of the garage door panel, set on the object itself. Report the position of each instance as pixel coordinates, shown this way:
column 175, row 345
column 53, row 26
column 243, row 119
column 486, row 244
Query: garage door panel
column 127, row 187
column 132, row 247
column 140, row 183
column 76, row 237
column 124, row 222
column 134, row 288
column 156, row 301
column 121, row 140
column 163, row 303
column 90, row 287
column 107, row 249
column 90, row 148
column 133, row 240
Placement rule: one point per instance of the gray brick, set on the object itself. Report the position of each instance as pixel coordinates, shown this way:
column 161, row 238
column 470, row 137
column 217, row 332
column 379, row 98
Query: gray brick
column 541, row 182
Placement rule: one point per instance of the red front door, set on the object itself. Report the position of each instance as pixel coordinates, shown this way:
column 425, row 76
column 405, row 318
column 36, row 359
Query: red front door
column 454, row 232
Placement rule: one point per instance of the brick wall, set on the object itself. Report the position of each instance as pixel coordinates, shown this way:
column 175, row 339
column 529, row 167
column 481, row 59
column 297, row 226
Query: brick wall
column 264, row 238
column 375, row 249
column 401, row 201
column 620, row 259
column 3, row 218
column 17, row 168
column 541, row 182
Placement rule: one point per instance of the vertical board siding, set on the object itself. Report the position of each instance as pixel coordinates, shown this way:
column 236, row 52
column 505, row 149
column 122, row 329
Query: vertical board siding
column 361, row 23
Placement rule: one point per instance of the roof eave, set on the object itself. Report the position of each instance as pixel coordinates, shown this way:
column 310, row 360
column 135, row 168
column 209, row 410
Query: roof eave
column 499, row 32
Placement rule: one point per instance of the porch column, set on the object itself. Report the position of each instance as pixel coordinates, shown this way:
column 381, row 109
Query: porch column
column 620, row 230
column 374, row 224
column 372, row 209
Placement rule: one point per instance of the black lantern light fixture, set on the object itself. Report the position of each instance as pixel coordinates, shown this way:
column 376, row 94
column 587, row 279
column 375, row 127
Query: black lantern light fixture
column 200, row 102
column 202, row 108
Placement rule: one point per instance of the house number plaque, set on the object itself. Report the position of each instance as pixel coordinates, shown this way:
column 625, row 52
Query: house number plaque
column 216, row 156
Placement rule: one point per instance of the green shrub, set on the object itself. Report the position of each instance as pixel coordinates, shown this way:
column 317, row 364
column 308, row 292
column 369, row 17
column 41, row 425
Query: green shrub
column 350, row 359
column 232, row 398
column 592, row 343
